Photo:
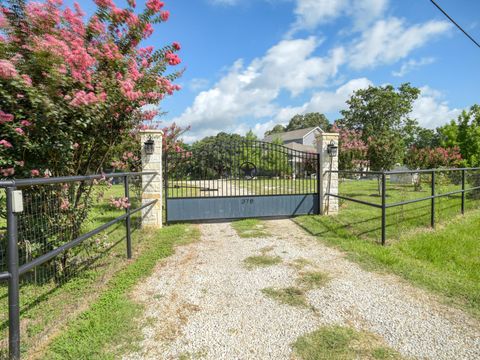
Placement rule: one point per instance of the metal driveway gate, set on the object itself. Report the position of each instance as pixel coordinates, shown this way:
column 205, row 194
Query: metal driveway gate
column 241, row 179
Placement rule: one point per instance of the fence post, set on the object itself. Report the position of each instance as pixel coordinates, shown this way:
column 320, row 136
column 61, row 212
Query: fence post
column 432, row 219
column 384, row 209
column 152, row 186
column 328, row 179
column 319, row 186
column 14, row 281
column 463, row 192
column 127, row 219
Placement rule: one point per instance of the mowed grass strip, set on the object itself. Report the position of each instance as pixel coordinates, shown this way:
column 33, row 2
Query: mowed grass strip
column 110, row 326
column 250, row 228
column 338, row 342
column 446, row 261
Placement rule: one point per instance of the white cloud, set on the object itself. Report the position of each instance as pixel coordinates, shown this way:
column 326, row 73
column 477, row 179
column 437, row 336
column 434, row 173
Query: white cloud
column 311, row 13
column 390, row 40
column 431, row 110
column 324, row 101
column 412, row 65
column 250, row 91
column 198, row 84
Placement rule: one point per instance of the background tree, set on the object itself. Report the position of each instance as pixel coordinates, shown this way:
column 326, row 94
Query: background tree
column 380, row 114
column 431, row 158
column 302, row 121
column 276, row 129
column 464, row 133
column 448, row 134
column 307, row 121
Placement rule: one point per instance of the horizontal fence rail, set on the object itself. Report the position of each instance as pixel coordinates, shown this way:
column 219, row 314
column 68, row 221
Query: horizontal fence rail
column 383, row 176
column 32, row 213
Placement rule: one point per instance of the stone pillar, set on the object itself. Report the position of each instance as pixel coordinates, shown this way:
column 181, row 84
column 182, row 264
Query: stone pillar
column 328, row 181
column 152, row 185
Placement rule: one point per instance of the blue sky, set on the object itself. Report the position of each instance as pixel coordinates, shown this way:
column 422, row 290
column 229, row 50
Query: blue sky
column 253, row 63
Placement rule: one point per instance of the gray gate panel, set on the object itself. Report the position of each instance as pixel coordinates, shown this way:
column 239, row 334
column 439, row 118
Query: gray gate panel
column 186, row 209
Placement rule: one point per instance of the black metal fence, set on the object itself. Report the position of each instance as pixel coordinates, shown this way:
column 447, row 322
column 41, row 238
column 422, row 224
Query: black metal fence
column 47, row 234
column 453, row 182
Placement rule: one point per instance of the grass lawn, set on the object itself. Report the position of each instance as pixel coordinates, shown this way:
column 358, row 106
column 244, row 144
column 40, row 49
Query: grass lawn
column 446, row 261
column 364, row 221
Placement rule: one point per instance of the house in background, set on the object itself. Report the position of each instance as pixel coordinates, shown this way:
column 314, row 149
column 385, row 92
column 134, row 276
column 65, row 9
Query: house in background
column 300, row 140
column 303, row 140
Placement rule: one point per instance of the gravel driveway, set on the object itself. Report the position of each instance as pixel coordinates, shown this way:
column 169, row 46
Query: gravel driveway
column 204, row 303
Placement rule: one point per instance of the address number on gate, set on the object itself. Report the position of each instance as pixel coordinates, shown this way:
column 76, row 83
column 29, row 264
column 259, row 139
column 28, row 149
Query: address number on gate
column 247, row 201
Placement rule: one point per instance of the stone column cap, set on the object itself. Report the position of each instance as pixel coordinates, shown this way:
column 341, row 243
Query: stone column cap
column 151, row 131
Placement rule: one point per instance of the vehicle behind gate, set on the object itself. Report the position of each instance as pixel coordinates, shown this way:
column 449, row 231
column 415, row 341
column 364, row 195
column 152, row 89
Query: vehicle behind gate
column 241, row 179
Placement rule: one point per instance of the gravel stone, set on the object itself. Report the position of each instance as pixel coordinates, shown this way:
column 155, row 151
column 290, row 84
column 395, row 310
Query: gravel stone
column 202, row 302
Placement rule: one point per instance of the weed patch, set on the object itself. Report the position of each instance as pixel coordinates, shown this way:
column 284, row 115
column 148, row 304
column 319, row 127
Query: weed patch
column 250, row 228
column 261, row 261
column 291, row 296
column 312, row 280
column 338, row 342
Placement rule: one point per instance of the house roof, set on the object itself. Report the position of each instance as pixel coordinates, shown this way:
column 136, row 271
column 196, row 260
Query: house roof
column 300, row 147
column 291, row 135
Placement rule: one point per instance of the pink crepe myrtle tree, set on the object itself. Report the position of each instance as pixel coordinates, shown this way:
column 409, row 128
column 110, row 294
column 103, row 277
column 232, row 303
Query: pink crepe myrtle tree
column 128, row 154
column 71, row 88
column 352, row 149
column 433, row 158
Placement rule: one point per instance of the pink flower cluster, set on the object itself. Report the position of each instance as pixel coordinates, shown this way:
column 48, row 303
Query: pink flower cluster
column 165, row 15
column 85, row 98
column 172, row 59
column 64, row 204
column 155, row 5
column 105, row 3
column 149, row 115
column 4, row 117
column 119, row 165
column 7, row 172
column 6, row 144
column 120, row 203
column 350, row 140
column 7, row 70
column 433, row 157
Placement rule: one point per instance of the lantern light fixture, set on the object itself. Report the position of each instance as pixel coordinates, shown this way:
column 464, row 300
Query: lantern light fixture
column 149, row 146
column 332, row 149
